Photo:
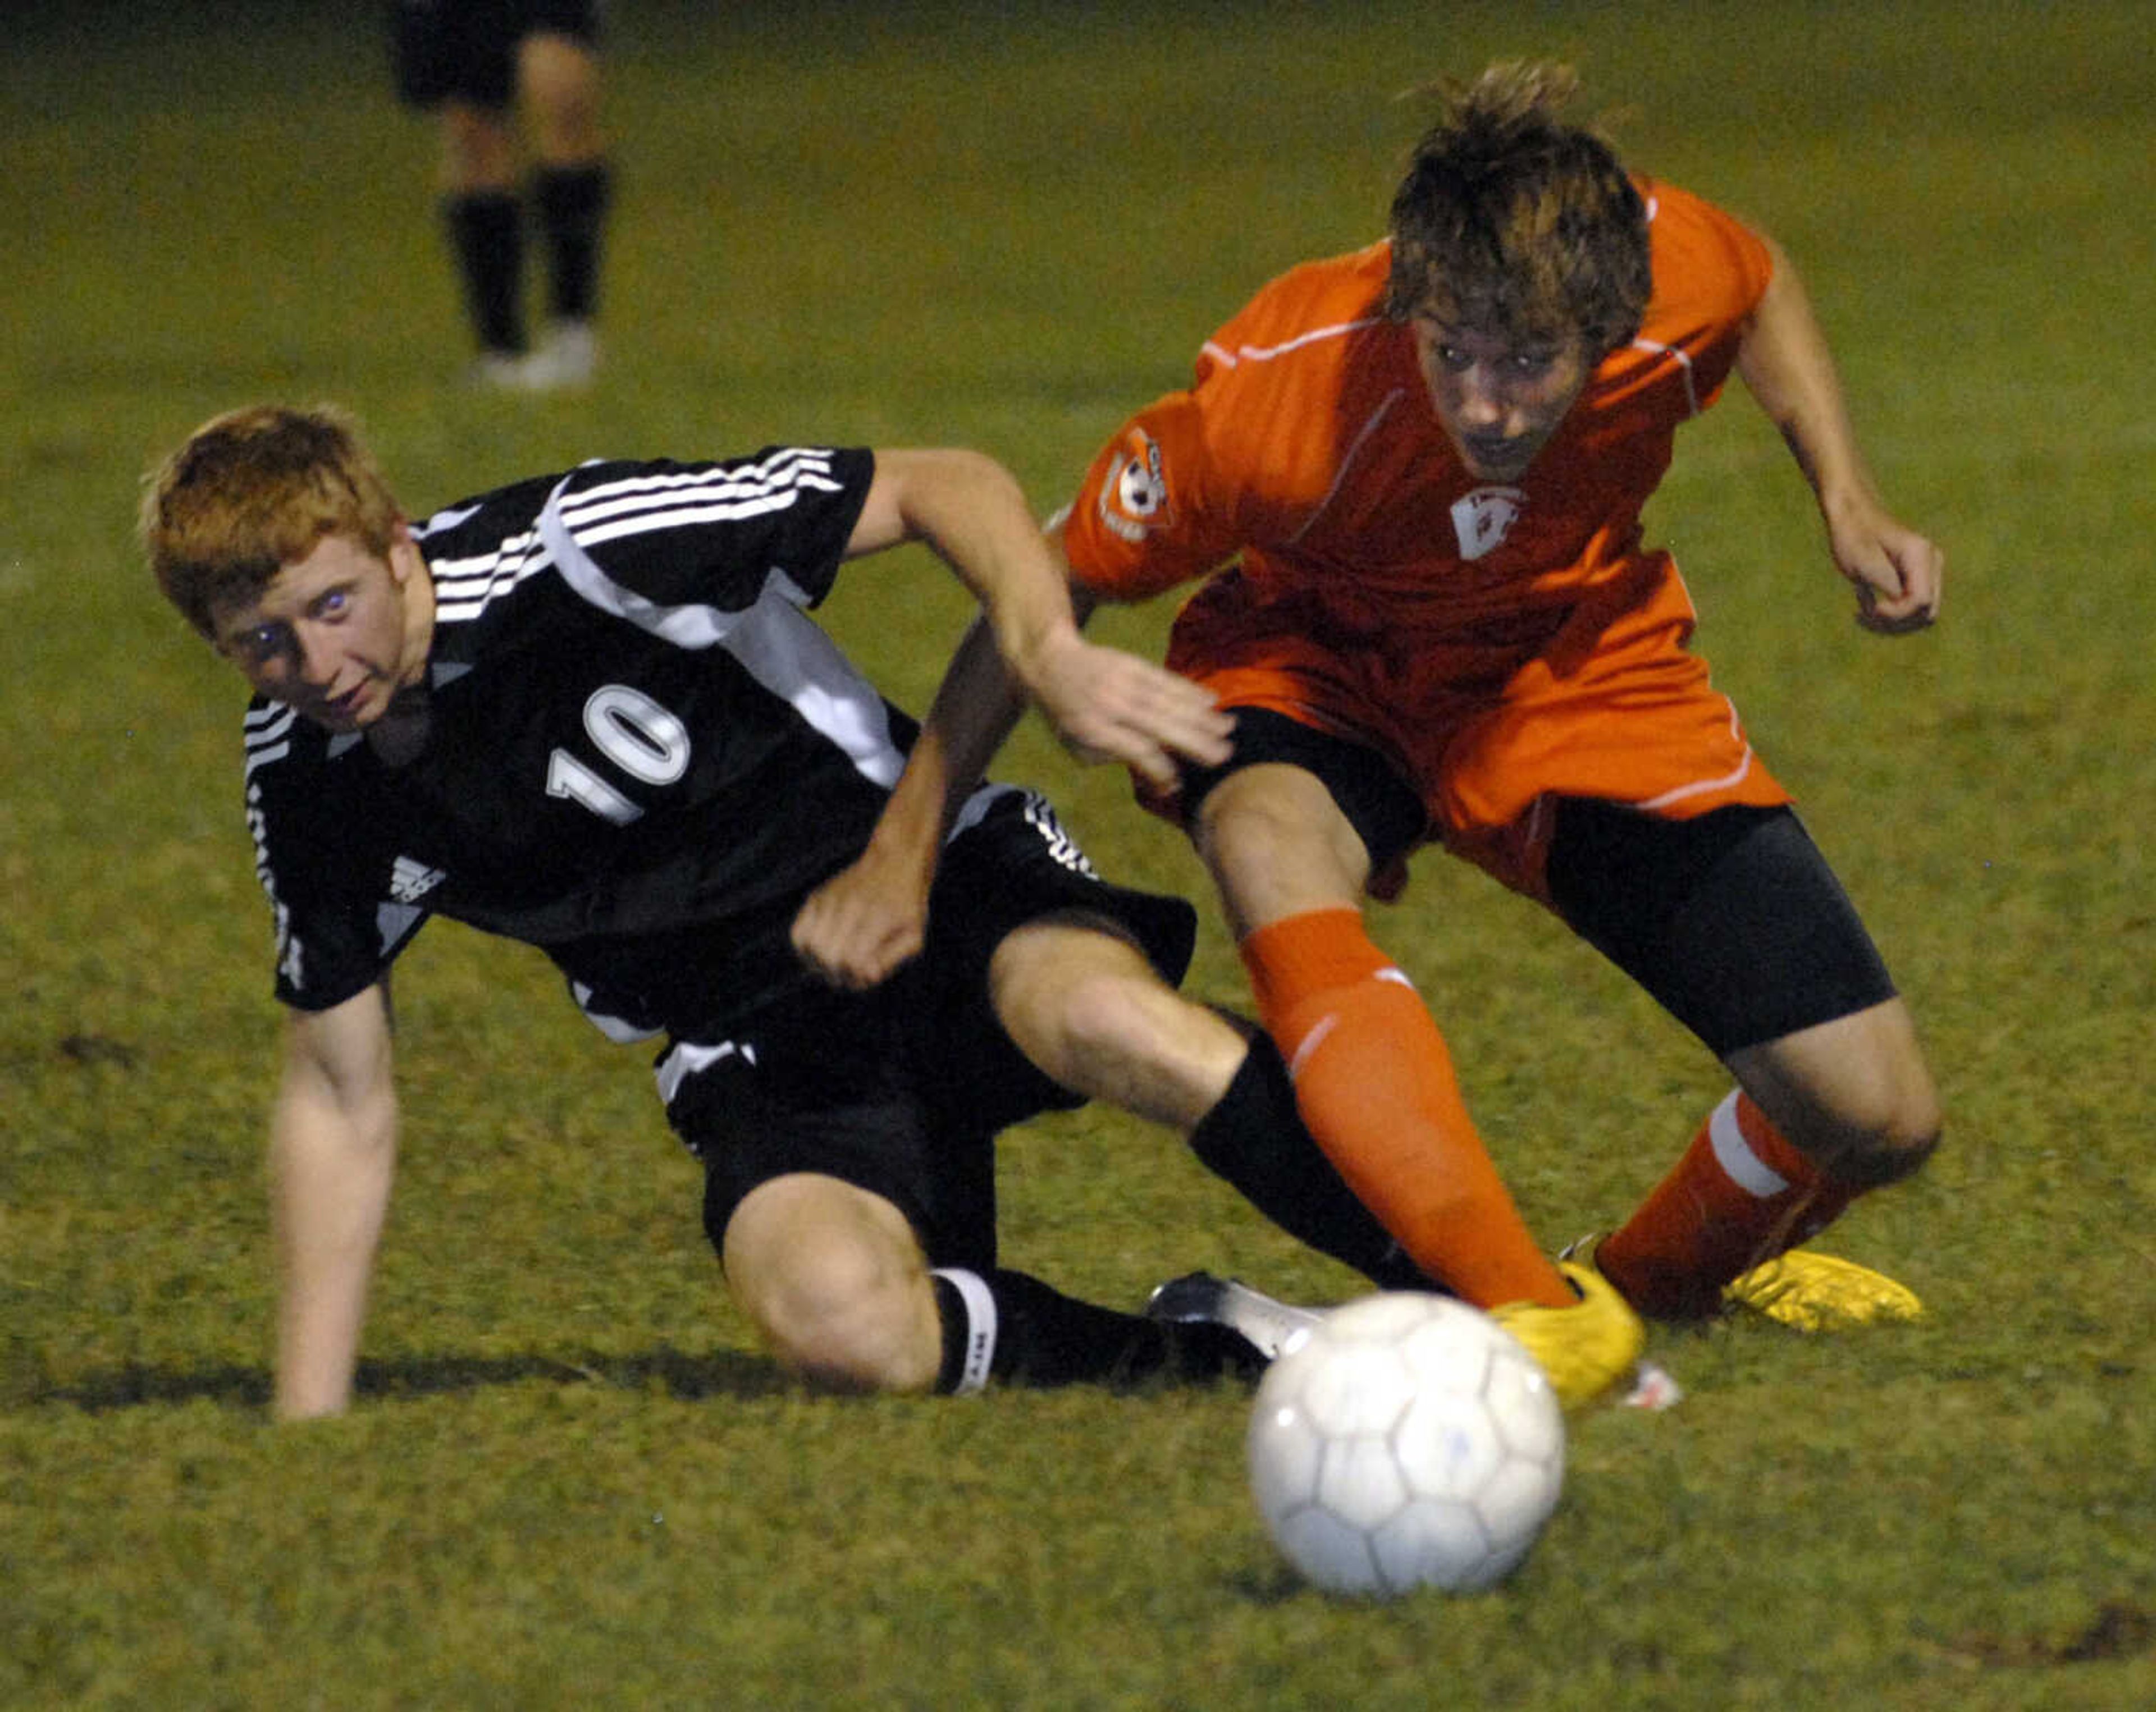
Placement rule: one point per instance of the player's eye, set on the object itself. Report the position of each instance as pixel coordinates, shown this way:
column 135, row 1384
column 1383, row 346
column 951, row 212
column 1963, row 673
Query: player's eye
column 261, row 645
column 333, row 603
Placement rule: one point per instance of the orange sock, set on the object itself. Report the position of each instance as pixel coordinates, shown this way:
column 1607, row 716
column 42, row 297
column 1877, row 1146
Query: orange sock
column 1741, row 1195
column 1374, row 1084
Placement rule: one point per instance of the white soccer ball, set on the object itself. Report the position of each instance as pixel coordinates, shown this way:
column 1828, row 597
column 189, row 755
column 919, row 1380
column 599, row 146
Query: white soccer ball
column 1409, row 1441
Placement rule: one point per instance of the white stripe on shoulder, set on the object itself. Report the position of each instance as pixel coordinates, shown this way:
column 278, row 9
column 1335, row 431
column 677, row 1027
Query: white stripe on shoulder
column 622, row 509
column 443, row 520
column 463, row 588
column 690, row 625
column 1265, row 353
column 679, row 516
column 764, row 486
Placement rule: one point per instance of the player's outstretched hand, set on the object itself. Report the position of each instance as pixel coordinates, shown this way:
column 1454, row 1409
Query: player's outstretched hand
column 1109, row 705
column 1898, row 574
column 863, row 923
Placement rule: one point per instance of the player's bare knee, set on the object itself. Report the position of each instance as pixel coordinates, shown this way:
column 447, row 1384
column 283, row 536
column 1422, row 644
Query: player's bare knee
column 844, row 1318
column 1894, row 1150
column 1875, row 1168
column 839, row 1296
column 1251, row 816
column 1885, row 1141
column 855, row 1340
column 479, row 148
column 1907, row 1133
column 1277, row 844
column 1854, row 1095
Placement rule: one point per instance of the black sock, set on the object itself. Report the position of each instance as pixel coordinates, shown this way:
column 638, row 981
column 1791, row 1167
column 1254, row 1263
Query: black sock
column 1013, row 1327
column 486, row 235
column 572, row 204
column 1256, row 1140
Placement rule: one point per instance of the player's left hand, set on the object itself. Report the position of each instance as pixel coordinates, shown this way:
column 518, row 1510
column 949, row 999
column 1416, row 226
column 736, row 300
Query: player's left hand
column 1898, row 574
column 1109, row 705
column 861, row 925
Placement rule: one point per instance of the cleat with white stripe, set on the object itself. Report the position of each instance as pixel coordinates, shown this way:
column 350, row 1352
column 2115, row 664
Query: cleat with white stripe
column 1270, row 1327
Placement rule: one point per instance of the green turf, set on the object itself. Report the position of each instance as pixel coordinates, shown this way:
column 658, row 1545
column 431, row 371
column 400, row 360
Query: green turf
column 571, row 1481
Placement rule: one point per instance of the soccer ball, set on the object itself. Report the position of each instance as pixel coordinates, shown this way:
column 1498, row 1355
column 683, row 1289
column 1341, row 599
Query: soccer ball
column 1407, row 1442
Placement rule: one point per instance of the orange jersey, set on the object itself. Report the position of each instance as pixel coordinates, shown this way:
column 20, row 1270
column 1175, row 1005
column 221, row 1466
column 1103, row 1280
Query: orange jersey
column 1501, row 642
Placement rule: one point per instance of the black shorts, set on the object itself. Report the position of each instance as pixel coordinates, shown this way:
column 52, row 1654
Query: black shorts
column 1732, row 920
column 1379, row 804
column 465, row 50
column 901, row 1090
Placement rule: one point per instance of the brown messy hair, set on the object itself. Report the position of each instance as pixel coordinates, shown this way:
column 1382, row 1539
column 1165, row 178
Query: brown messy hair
column 252, row 491
column 1511, row 220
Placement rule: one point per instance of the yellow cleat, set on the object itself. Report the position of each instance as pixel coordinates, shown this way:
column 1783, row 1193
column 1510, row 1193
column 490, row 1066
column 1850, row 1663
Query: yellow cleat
column 1584, row 1348
column 1812, row 1292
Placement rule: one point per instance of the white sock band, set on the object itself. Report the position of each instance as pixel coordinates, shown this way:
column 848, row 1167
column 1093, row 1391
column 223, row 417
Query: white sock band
column 980, row 1307
column 1734, row 1155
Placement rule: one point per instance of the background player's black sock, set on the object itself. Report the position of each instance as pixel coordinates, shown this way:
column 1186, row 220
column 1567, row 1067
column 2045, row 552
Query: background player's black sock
column 572, row 204
column 486, row 235
column 1013, row 1327
column 1256, row 1140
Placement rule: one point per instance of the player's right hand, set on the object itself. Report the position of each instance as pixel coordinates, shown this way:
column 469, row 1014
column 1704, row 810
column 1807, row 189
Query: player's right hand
column 863, row 923
column 1898, row 574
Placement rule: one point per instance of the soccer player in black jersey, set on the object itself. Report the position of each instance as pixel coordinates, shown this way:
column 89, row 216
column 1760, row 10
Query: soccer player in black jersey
column 589, row 711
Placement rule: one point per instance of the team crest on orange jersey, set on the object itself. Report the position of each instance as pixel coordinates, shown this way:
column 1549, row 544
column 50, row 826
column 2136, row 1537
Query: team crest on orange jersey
column 1134, row 496
column 1483, row 519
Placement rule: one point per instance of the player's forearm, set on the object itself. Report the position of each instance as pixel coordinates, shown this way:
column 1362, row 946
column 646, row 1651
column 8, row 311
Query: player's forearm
column 972, row 512
column 331, row 1170
column 975, row 708
column 1786, row 366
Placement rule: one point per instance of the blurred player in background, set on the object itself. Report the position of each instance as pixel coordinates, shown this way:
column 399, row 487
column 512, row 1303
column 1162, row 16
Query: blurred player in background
column 483, row 65
column 589, row 712
column 1412, row 479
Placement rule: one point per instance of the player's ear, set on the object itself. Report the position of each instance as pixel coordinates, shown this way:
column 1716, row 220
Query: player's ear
column 404, row 554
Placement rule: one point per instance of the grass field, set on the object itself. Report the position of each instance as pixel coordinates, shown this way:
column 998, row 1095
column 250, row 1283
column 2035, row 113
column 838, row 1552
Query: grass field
column 572, row 1481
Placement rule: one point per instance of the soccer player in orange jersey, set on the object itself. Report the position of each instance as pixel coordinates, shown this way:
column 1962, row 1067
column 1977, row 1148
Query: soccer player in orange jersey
column 1411, row 479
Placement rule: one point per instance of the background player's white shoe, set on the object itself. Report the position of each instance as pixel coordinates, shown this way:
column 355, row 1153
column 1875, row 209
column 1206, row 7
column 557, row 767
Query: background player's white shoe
column 497, row 372
column 567, row 355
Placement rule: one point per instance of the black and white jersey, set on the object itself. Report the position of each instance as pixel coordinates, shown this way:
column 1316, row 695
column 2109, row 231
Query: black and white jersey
column 641, row 752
